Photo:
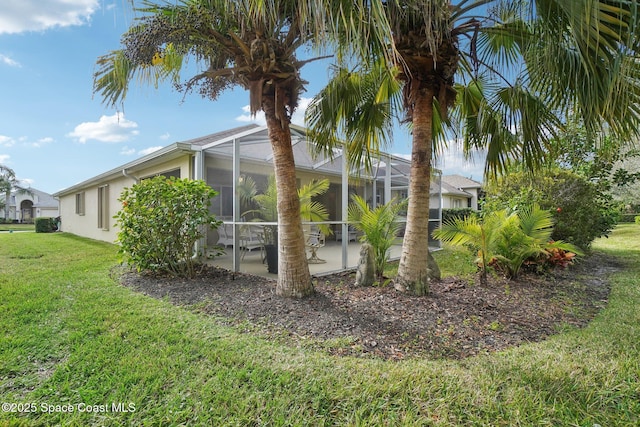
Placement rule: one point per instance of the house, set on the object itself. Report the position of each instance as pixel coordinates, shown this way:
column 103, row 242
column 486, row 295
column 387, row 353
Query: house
column 26, row 206
column 460, row 192
column 223, row 159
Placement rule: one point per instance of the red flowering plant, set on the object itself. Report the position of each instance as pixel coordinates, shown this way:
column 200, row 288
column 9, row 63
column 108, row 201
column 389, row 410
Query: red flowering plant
column 506, row 241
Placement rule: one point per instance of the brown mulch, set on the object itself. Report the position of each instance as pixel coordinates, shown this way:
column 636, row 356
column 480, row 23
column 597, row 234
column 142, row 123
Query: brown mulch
column 459, row 318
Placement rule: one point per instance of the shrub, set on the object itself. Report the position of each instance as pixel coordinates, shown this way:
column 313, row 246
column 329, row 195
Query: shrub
column 161, row 220
column 581, row 212
column 451, row 214
column 506, row 240
column 379, row 228
column 637, row 219
column 46, row 225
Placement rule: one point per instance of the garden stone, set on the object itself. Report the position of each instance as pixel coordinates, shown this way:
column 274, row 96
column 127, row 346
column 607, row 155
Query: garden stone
column 365, row 274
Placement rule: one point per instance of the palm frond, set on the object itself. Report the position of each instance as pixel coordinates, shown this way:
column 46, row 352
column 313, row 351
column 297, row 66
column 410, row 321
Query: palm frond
column 355, row 112
column 582, row 60
column 536, row 223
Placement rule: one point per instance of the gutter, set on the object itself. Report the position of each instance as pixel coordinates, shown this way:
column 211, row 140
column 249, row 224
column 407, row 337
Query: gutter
column 127, row 175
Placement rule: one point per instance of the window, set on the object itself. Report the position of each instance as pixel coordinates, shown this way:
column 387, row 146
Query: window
column 457, row 203
column 175, row 173
column 80, row 203
column 222, row 204
column 103, row 207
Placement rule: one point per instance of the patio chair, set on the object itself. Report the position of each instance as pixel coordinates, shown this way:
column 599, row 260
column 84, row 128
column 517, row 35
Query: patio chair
column 251, row 237
column 315, row 240
column 225, row 233
column 352, row 234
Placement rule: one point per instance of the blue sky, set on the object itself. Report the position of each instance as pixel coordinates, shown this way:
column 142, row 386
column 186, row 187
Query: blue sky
column 54, row 133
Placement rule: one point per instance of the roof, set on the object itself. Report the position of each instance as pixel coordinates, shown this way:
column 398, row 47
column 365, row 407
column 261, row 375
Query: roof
column 450, row 190
column 219, row 136
column 460, row 182
column 255, row 146
column 44, row 200
column 171, row 151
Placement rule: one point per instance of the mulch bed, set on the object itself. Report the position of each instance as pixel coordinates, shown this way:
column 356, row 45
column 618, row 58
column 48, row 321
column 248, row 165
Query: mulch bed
column 458, row 319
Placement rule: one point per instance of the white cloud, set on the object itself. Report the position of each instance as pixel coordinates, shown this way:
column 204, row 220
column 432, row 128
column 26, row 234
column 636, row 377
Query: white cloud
column 4, row 158
column 298, row 114
column 108, row 129
column 42, row 141
column 165, row 136
column 126, row 151
column 247, row 117
column 27, row 182
column 452, row 162
column 6, row 141
column 37, row 15
column 148, row 150
column 4, row 59
column 297, row 119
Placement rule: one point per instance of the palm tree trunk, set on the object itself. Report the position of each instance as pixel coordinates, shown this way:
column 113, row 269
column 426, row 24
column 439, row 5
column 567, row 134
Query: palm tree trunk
column 417, row 267
column 294, row 279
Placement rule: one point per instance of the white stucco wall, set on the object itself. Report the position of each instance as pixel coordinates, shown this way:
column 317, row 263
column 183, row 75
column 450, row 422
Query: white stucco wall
column 87, row 225
column 448, row 202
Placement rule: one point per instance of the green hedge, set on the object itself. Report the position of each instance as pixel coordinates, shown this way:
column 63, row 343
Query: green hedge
column 628, row 217
column 451, row 214
column 46, row 225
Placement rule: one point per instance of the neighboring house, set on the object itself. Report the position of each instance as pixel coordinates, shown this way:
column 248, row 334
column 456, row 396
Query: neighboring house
column 223, row 159
column 25, row 207
column 460, row 192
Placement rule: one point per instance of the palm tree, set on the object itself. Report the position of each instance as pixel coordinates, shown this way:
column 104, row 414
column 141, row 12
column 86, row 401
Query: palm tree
column 9, row 183
column 502, row 75
column 248, row 43
column 379, row 227
column 267, row 205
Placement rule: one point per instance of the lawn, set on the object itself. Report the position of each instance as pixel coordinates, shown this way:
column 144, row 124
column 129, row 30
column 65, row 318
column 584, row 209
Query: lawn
column 17, row 227
column 78, row 349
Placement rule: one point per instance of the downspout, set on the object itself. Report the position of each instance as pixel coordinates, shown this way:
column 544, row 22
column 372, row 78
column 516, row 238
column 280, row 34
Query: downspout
column 127, row 175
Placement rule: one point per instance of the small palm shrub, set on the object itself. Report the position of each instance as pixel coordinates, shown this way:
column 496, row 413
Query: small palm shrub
column 379, row 227
column 506, row 240
column 160, row 222
column 267, row 205
column 581, row 211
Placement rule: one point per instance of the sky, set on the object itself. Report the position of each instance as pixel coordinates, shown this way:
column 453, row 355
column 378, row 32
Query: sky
column 55, row 133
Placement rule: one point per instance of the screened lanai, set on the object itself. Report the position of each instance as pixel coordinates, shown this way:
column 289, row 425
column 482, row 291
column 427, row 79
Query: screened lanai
column 227, row 159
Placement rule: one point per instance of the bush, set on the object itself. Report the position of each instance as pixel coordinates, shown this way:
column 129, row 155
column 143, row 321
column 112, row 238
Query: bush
column 581, row 212
column 160, row 222
column 451, row 214
column 508, row 240
column 46, row 225
column 637, row 219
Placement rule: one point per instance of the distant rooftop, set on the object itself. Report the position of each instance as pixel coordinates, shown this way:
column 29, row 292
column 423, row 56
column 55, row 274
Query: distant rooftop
column 460, row 182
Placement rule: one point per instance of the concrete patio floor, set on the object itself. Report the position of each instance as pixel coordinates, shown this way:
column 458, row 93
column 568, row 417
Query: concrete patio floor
column 331, row 253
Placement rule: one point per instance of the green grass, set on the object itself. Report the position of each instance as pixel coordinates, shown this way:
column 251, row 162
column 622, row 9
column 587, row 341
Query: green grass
column 70, row 335
column 17, row 227
column 453, row 261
